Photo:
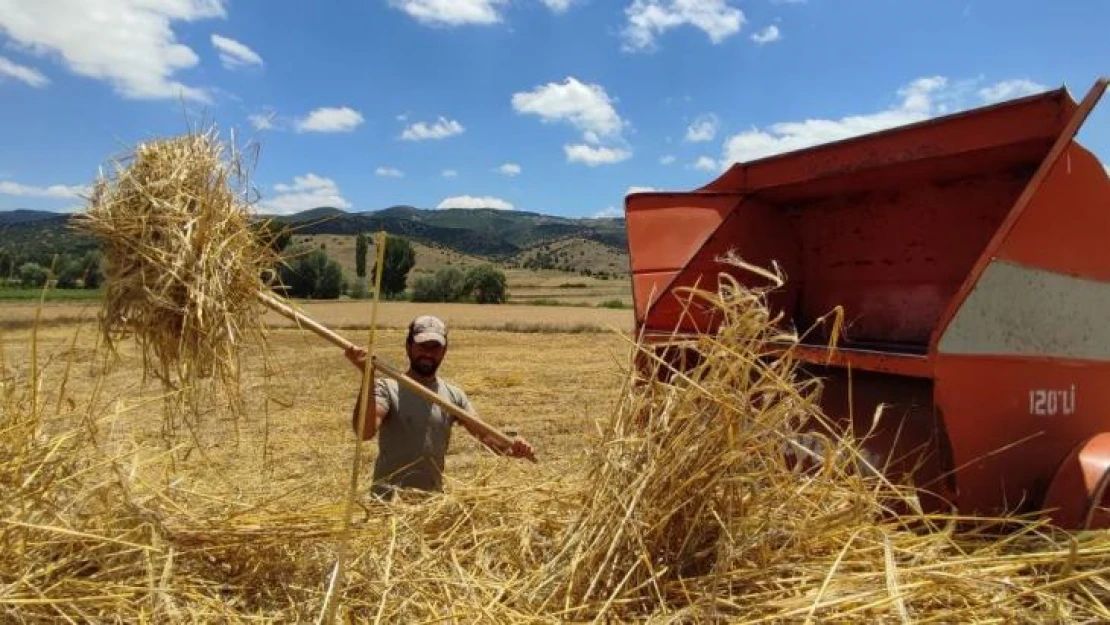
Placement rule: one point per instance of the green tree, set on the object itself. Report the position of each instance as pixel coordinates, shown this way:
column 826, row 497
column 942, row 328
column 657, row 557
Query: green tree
column 425, row 289
column 313, row 275
column 361, row 245
column 330, row 285
column 32, row 275
column 487, row 284
column 69, row 272
column 7, row 264
column 399, row 260
column 447, row 285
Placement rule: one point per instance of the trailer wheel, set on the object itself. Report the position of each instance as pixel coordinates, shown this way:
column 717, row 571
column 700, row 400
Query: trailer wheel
column 1079, row 496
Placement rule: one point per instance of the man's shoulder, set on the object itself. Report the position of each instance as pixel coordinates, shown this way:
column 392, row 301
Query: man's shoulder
column 454, row 390
column 386, row 385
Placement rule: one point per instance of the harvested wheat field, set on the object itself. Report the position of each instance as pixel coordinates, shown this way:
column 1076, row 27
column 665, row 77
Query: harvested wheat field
column 190, row 459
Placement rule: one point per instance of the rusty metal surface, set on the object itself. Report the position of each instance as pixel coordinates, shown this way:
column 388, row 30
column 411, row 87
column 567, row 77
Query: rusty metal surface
column 899, row 363
column 893, row 259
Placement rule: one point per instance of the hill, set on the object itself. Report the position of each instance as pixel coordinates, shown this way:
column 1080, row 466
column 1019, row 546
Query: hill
column 24, row 215
column 41, row 237
column 488, row 233
column 507, row 237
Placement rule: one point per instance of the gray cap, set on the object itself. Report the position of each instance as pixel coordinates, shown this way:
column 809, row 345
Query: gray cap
column 429, row 328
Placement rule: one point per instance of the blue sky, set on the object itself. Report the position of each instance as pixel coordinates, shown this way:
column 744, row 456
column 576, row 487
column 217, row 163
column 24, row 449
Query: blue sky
column 554, row 106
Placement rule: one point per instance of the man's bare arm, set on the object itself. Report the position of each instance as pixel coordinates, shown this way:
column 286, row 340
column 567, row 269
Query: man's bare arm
column 374, row 418
column 520, row 448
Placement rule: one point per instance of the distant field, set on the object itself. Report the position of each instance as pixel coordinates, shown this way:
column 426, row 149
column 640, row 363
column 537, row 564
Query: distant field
column 526, row 286
column 53, row 295
column 349, row 314
column 356, row 314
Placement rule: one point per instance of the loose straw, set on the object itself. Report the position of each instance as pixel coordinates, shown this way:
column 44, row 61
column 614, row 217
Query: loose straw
column 336, row 589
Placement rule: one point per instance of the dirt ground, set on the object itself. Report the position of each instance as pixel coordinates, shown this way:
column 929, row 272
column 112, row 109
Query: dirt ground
column 294, row 445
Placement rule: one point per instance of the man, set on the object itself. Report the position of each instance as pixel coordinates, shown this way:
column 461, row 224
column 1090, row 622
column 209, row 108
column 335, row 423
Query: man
column 413, row 432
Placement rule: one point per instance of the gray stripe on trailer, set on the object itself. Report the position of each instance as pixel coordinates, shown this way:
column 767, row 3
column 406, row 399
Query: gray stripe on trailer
column 1021, row 311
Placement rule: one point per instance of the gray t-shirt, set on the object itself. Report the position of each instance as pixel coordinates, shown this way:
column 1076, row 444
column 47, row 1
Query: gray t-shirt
column 413, row 437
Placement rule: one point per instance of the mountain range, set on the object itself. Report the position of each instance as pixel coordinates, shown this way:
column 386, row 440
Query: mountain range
column 488, row 233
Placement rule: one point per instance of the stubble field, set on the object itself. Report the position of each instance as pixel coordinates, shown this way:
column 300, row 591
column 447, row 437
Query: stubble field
column 550, row 382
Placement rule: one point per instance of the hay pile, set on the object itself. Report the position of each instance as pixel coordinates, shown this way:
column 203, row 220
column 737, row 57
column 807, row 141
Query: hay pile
column 182, row 265
column 692, row 510
column 686, row 511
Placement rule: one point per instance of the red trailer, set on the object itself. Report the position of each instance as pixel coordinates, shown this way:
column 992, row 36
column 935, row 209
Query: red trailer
column 971, row 256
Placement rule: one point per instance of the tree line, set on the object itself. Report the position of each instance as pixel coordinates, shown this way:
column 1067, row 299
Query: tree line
column 304, row 274
column 315, row 275
column 63, row 271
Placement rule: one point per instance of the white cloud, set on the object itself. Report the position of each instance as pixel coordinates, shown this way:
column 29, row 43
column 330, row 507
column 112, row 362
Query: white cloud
column 649, row 18
column 593, row 156
column 450, row 173
column 467, row 201
column 22, row 73
column 610, row 212
column 635, row 189
column 559, row 6
column 389, row 172
column 440, row 129
column 452, row 12
column 770, row 34
column 233, row 54
column 263, row 121
column 921, row 99
column 1010, row 89
column 704, row 128
column 129, row 44
column 706, row 163
column 586, row 106
column 53, row 191
column 306, row 192
column 667, row 159
column 509, row 169
column 342, row 119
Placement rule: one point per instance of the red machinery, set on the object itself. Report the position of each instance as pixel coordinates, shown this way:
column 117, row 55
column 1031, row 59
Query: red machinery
column 971, row 256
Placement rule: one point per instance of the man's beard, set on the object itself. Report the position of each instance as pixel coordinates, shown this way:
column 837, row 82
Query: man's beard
column 424, row 366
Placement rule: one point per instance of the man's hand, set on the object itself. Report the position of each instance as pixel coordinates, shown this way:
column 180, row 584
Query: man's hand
column 356, row 355
column 521, row 449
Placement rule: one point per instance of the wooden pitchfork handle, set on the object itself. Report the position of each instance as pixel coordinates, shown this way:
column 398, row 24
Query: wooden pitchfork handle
column 487, row 432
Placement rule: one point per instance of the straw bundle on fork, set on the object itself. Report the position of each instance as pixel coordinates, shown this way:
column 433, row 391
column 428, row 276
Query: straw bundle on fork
column 182, row 264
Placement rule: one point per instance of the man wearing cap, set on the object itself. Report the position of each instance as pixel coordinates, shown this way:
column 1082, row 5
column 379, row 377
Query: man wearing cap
column 413, row 432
